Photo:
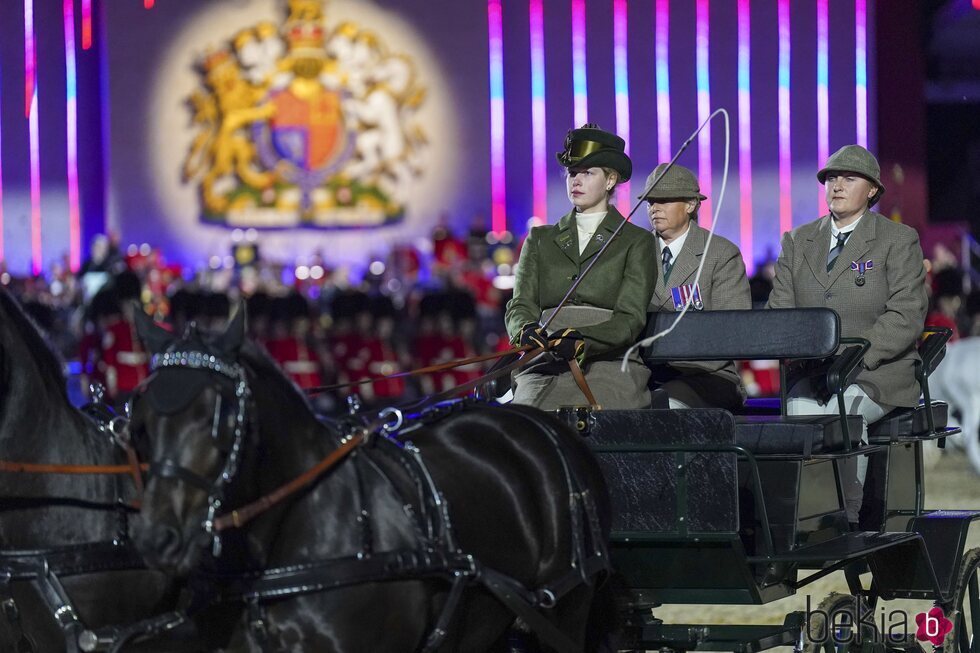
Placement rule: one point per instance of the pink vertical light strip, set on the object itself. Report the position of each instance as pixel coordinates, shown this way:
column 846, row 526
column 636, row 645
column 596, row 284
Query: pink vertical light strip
column 579, row 84
column 148, row 4
column 704, row 101
column 823, row 101
column 30, row 74
column 30, row 57
column 861, row 71
column 663, row 80
column 621, row 75
column 745, row 138
column 498, row 205
column 539, row 153
column 71, row 128
column 785, row 155
column 86, row 24
column 2, row 258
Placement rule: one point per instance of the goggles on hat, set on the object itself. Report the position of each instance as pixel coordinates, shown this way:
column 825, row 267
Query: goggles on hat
column 577, row 150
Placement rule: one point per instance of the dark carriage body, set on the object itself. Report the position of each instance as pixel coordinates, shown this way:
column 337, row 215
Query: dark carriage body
column 712, row 507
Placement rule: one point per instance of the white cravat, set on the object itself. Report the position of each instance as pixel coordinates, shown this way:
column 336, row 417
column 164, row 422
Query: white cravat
column 587, row 224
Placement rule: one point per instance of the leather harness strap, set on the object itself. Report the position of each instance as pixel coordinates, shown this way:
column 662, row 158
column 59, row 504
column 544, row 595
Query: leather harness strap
column 241, row 516
column 582, row 384
column 41, row 468
column 431, row 369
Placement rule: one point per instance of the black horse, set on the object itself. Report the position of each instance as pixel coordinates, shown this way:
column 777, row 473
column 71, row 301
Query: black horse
column 74, row 524
column 430, row 539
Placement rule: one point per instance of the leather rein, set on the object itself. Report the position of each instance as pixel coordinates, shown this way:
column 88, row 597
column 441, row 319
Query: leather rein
column 117, row 427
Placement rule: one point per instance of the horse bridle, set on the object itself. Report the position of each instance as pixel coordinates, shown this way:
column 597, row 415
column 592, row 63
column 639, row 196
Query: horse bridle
column 169, row 468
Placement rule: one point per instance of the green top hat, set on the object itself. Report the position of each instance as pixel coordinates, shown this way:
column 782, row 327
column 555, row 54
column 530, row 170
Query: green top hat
column 591, row 147
column 857, row 160
column 678, row 183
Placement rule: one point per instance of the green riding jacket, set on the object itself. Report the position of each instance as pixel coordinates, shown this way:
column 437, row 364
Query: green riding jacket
column 622, row 280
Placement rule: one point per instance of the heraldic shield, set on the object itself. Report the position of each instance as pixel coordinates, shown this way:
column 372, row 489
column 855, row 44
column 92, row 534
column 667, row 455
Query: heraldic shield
column 301, row 125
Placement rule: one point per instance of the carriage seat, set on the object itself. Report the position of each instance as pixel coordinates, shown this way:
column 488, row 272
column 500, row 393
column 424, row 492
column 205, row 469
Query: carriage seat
column 805, row 435
column 903, row 423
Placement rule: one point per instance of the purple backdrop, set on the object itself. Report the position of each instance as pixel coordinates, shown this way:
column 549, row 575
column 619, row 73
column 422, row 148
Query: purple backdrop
column 135, row 40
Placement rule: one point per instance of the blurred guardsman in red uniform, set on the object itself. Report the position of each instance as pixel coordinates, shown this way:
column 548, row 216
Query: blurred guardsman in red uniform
column 377, row 351
column 290, row 346
column 123, row 363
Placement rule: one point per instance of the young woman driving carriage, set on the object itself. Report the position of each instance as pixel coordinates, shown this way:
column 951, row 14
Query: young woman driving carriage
column 607, row 312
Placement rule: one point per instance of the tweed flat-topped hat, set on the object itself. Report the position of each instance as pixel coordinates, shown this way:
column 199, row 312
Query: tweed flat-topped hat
column 678, row 183
column 857, row 160
column 592, row 147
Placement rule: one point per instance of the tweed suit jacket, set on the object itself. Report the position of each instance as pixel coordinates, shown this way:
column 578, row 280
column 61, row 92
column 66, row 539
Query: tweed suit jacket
column 889, row 309
column 722, row 286
column 621, row 281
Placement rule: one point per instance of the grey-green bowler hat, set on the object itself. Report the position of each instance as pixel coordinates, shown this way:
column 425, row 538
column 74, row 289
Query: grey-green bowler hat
column 857, row 160
column 679, row 183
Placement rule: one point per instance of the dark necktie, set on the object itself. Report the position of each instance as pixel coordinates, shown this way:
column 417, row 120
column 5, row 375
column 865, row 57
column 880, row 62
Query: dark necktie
column 667, row 256
column 837, row 249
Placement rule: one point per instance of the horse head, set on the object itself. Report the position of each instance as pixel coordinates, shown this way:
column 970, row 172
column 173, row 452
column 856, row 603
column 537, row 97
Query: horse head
column 190, row 424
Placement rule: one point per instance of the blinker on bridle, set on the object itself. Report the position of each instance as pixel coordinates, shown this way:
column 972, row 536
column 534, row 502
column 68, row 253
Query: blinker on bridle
column 168, row 468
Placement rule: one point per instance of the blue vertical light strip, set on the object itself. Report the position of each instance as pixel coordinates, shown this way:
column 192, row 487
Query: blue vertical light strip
column 621, row 75
column 539, row 153
column 704, row 100
column 745, row 137
column 662, row 31
column 579, row 82
column 823, row 95
column 498, row 204
column 861, row 69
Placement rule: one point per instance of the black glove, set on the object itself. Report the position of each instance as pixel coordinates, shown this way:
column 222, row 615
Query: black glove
column 532, row 334
column 567, row 344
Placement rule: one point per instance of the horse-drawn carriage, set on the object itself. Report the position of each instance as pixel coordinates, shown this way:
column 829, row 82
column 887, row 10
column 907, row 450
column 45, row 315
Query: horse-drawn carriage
column 431, row 530
column 711, row 507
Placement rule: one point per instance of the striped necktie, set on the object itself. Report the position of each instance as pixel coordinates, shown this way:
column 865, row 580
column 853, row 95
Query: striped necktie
column 837, row 249
column 667, row 265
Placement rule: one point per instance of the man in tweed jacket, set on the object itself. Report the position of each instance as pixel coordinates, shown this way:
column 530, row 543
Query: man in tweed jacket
column 672, row 207
column 870, row 271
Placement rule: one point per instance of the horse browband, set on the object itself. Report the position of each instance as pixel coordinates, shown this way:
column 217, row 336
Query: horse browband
column 197, row 360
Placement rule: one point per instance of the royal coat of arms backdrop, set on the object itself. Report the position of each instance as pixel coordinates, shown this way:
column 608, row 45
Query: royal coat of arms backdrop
column 305, row 124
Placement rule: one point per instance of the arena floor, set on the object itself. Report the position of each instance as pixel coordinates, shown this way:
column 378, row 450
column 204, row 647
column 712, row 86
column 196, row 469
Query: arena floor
column 950, row 484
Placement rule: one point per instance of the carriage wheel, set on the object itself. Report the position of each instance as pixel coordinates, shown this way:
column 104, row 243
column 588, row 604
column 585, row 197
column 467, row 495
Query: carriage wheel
column 831, row 627
column 964, row 608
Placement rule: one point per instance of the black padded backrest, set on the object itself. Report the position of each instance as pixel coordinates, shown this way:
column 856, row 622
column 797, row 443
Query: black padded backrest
column 752, row 334
column 645, row 488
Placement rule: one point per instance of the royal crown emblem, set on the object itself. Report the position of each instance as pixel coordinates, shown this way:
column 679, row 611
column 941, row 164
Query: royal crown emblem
column 301, row 124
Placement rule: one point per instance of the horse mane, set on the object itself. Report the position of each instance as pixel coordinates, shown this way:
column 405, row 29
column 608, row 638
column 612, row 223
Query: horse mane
column 51, row 368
